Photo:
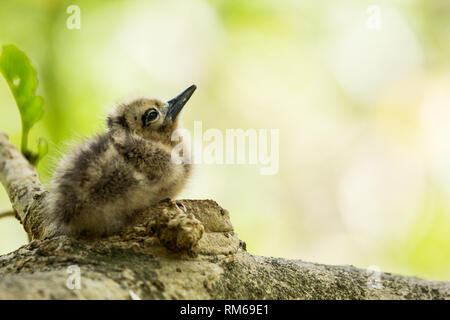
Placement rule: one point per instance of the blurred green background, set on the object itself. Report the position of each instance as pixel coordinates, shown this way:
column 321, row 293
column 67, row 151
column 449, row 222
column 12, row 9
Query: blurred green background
column 360, row 91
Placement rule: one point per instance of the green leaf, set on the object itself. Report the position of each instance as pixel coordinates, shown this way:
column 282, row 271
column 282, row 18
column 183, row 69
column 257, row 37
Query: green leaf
column 22, row 80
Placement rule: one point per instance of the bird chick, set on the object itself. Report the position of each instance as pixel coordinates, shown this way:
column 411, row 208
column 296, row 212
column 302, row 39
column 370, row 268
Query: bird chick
column 100, row 186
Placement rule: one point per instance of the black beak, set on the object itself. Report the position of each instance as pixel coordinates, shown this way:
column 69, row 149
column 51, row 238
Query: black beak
column 177, row 103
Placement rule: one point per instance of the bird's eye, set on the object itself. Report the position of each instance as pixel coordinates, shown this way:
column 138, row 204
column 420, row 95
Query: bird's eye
column 149, row 116
column 153, row 115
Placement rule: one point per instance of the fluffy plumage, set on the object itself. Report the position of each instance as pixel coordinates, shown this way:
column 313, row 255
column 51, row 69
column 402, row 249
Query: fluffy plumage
column 100, row 186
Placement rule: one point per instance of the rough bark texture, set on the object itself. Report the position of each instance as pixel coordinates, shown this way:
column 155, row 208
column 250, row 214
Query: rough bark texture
column 170, row 254
column 25, row 191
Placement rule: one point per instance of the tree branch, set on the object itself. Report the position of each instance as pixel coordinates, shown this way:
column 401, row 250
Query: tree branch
column 25, row 191
column 118, row 268
column 141, row 262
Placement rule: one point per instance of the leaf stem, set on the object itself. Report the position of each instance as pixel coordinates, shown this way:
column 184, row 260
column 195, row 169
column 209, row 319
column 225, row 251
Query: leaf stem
column 24, row 140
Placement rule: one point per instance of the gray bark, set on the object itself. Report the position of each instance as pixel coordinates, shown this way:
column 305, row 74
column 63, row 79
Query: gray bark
column 169, row 254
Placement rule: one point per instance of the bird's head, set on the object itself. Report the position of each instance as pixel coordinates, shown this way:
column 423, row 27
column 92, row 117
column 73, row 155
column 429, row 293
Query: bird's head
column 149, row 118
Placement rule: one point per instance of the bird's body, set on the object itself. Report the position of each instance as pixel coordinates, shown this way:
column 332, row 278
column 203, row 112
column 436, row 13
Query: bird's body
column 100, row 186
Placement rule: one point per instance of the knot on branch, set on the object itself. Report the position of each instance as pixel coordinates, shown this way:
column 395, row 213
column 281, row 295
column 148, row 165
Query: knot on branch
column 199, row 226
column 176, row 229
